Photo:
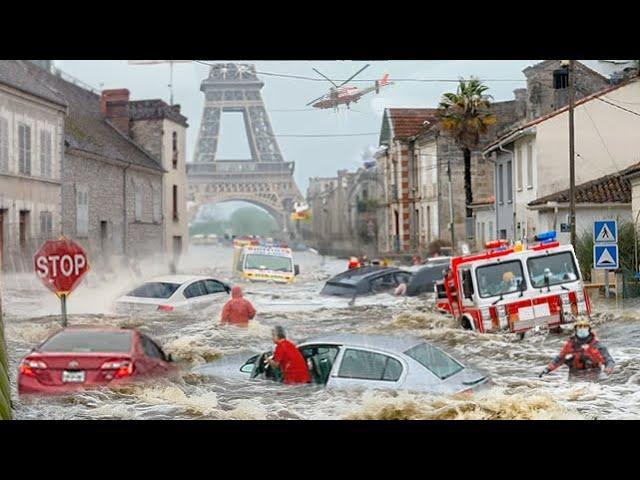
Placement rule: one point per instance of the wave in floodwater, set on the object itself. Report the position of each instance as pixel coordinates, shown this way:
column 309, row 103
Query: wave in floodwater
column 32, row 314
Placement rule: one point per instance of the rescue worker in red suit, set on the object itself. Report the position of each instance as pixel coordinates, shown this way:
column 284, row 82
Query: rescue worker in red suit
column 354, row 263
column 237, row 311
column 582, row 353
column 288, row 359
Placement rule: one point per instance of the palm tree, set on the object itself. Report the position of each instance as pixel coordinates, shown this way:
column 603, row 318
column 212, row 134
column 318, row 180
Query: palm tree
column 465, row 116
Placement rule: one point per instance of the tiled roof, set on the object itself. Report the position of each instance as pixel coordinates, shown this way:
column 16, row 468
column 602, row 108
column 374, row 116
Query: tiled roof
column 407, row 122
column 155, row 109
column 608, row 189
column 557, row 112
column 15, row 74
column 85, row 125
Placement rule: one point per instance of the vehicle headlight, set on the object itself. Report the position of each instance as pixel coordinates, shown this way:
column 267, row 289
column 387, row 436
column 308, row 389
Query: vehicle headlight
column 580, row 296
column 501, row 310
column 564, row 297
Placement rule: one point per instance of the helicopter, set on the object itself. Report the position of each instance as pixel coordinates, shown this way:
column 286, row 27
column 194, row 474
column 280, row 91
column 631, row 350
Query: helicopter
column 345, row 95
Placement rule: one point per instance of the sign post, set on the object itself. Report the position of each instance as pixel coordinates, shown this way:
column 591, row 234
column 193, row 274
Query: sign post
column 60, row 265
column 605, row 249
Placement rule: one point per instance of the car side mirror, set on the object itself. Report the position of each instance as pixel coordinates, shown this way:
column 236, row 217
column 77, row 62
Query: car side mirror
column 296, row 269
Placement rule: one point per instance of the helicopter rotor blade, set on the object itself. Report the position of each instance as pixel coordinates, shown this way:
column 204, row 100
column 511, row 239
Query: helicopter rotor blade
column 355, row 74
column 315, row 100
column 325, row 77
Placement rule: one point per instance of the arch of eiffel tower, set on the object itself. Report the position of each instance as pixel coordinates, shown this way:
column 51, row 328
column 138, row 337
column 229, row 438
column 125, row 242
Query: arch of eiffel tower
column 265, row 179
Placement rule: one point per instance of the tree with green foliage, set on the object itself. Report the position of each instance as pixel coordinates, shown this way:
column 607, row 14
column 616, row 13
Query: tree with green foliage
column 465, row 116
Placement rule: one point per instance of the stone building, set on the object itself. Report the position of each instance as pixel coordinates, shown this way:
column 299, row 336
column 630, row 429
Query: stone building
column 162, row 130
column 111, row 186
column 415, row 167
column 31, row 153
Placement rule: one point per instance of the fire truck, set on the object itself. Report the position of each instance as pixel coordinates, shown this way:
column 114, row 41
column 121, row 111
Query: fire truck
column 514, row 288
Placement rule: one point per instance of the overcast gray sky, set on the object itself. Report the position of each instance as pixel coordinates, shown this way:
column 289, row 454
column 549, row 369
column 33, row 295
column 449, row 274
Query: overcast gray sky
column 313, row 156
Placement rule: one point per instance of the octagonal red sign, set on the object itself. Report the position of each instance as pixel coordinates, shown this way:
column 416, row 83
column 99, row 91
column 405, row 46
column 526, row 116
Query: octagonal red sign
column 60, row 264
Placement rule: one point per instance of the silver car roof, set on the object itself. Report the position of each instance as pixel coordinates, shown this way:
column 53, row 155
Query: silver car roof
column 382, row 342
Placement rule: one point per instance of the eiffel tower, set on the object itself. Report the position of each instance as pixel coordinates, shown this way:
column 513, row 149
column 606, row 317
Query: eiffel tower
column 265, row 179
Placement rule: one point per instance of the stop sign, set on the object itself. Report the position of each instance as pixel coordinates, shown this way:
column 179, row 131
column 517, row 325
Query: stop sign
column 61, row 264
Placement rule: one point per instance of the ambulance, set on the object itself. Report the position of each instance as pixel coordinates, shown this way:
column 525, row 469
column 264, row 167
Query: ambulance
column 258, row 260
column 514, row 288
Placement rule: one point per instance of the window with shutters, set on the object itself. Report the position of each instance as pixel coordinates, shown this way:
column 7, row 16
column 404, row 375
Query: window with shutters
column 529, row 165
column 82, row 210
column 46, row 225
column 45, row 153
column 174, row 149
column 4, row 145
column 24, row 149
column 157, row 204
column 138, row 202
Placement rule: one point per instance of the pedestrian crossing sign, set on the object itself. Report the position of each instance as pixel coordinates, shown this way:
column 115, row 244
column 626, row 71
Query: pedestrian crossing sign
column 605, row 231
column 605, row 257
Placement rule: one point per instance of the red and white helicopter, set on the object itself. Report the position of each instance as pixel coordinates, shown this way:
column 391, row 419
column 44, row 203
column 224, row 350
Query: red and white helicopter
column 345, row 95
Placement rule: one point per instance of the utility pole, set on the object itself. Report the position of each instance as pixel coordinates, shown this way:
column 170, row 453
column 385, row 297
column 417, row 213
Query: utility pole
column 451, row 207
column 572, row 165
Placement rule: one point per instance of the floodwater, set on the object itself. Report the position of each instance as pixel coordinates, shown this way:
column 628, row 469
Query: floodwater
column 32, row 313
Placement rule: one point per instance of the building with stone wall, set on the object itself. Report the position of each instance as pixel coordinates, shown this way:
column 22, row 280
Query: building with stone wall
column 31, row 154
column 111, row 186
column 162, row 130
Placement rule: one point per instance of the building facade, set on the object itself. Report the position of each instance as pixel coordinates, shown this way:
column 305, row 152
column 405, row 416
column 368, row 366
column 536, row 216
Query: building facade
column 162, row 130
column 111, row 192
column 31, row 154
column 532, row 160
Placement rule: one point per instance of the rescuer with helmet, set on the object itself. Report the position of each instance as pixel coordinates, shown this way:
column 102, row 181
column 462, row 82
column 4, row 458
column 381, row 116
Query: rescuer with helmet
column 582, row 353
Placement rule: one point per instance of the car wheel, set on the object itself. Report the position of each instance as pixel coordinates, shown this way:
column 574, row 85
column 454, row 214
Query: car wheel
column 465, row 323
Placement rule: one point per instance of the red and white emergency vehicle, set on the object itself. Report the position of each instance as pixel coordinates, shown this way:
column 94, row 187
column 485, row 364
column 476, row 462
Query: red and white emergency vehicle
column 513, row 288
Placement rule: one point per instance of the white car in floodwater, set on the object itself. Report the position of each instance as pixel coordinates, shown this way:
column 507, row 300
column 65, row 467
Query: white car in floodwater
column 359, row 361
column 174, row 293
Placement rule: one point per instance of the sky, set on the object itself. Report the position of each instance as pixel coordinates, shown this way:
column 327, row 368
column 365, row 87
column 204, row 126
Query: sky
column 313, row 157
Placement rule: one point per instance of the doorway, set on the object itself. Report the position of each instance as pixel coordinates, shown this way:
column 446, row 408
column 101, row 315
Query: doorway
column 177, row 246
column 1, row 237
column 104, row 237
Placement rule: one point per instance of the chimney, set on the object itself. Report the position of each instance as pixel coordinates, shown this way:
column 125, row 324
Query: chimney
column 114, row 105
column 520, row 95
column 175, row 108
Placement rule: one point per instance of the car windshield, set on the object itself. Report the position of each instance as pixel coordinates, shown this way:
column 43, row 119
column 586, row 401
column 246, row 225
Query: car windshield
column 435, row 360
column 268, row 262
column 558, row 268
column 499, row 278
column 88, row 342
column 338, row 289
column 155, row 290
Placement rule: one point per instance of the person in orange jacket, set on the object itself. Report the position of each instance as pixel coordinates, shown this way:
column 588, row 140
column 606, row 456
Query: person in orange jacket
column 237, row 311
column 354, row 263
column 582, row 353
column 288, row 359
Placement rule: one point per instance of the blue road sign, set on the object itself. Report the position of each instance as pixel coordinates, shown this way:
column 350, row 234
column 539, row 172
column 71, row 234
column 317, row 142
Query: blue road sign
column 605, row 231
column 605, row 257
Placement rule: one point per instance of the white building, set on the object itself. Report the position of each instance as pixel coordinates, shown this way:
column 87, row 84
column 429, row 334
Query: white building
column 532, row 160
column 31, row 152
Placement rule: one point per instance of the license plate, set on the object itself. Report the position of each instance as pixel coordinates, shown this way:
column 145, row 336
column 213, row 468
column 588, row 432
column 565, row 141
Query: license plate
column 73, row 377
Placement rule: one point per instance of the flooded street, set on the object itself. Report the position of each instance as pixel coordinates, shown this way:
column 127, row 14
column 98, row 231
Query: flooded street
column 32, row 313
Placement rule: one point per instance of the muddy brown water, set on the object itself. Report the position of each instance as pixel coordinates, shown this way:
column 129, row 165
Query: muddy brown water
column 32, row 313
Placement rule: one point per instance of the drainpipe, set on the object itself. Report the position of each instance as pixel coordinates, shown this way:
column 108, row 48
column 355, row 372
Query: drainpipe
column 635, row 243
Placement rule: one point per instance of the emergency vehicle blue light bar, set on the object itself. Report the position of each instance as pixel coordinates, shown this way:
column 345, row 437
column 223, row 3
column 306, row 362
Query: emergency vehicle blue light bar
column 549, row 236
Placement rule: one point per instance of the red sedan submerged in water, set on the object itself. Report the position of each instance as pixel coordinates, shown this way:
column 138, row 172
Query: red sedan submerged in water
column 79, row 358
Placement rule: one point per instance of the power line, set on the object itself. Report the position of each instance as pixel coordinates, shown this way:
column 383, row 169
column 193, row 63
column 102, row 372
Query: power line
column 424, row 80
column 329, row 135
column 601, row 139
column 618, row 106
